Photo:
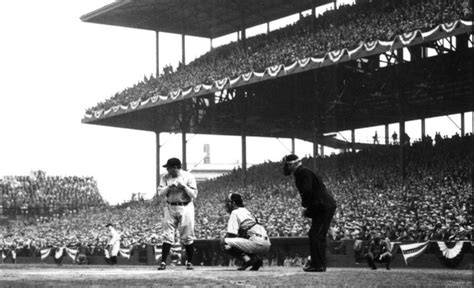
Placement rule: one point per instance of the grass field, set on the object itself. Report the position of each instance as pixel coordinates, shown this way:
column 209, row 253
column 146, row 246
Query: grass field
column 43, row 275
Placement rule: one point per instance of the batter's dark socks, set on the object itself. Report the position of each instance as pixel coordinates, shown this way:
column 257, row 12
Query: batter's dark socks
column 189, row 252
column 113, row 260
column 165, row 251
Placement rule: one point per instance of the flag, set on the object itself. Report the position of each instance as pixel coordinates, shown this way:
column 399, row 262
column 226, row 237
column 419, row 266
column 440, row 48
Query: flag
column 71, row 253
column 450, row 253
column 45, row 253
column 125, row 253
column 413, row 250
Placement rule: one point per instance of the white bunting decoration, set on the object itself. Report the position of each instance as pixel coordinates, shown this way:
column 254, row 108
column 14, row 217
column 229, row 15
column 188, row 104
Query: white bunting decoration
column 362, row 50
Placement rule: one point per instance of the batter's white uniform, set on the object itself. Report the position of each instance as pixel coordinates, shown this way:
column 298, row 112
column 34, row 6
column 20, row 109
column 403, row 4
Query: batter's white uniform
column 179, row 207
column 114, row 242
column 256, row 240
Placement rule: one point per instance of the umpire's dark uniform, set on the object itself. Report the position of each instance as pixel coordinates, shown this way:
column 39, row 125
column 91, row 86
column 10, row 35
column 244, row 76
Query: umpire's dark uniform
column 320, row 207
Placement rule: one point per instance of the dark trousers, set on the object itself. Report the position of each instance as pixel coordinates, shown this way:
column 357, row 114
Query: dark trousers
column 317, row 236
column 371, row 259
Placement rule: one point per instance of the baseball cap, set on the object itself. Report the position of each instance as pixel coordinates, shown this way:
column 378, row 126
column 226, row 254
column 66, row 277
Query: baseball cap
column 237, row 198
column 173, row 162
column 290, row 157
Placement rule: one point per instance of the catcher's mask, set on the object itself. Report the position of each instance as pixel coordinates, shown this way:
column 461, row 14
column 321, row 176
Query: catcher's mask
column 290, row 163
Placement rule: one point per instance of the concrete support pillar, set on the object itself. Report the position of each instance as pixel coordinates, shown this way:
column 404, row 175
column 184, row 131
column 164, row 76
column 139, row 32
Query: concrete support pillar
column 463, row 125
column 293, row 146
column 321, row 150
column 387, row 137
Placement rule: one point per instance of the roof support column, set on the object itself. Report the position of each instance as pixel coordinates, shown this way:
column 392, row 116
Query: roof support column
column 184, row 142
column 244, row 153
column 157, row 33
column 387, row 141
column 184, row 127
column 293, row 146
column 243, row 35
column 353, row 139
column 158, row 164
column 321, row 150
column 463, row 127
column 423, row 128
column 472, row 127
column 268, row 27
column 183, row 49
column 315, row 148
column 402, row 146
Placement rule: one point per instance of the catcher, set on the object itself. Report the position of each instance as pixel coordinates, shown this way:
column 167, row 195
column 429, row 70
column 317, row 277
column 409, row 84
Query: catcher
column 245, row 239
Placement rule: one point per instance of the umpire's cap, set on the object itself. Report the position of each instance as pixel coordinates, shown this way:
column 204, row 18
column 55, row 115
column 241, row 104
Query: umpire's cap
column 290, row 158
column 237, row 199
column 173, row 162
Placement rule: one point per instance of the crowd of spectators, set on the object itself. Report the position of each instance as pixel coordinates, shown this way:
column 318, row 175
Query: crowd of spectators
column 434, row 202
column 43, row 195
column 346, row 27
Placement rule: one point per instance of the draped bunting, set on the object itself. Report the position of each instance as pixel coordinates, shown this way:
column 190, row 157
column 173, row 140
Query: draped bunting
column 413, row 250
column 450, row 253
column 125, row 253
column 71, row 253
column 363, row 50
column 59, row 253
column 45, row 253
column 175, row 249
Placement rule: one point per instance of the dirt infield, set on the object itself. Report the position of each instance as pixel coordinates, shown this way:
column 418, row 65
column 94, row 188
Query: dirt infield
column 147, row 276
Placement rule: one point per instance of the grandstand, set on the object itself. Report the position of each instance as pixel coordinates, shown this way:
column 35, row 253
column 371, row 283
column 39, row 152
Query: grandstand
column 425, row 70
column 417, row 64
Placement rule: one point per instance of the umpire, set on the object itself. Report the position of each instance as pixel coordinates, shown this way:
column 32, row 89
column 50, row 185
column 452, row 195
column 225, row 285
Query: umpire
column 319, row 206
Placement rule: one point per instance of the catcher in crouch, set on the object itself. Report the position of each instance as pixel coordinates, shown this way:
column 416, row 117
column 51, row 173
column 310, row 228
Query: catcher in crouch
column 245, row 239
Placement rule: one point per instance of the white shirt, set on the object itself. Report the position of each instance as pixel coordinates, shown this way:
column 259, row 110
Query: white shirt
column 176, row 194
column 241, row 218
column 114, row 236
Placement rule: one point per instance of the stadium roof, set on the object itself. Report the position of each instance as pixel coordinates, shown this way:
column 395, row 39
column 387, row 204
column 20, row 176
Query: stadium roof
column 202, row 18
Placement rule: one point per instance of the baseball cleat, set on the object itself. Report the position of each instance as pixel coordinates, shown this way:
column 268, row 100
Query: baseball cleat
column 314, row 269
column 257, row 265
column 246, row 265
column 189, row 266
column 162, row 266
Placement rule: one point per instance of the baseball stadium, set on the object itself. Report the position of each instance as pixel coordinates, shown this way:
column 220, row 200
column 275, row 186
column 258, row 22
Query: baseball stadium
column 368, row 63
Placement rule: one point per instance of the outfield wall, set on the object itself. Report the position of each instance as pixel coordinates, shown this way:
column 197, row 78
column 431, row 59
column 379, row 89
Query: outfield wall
column 209, row 253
